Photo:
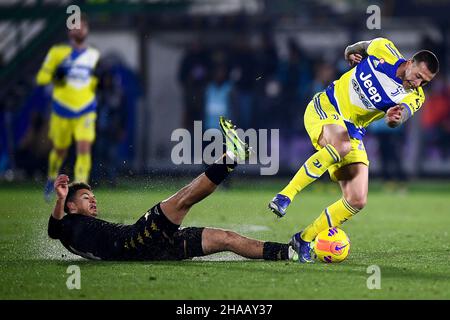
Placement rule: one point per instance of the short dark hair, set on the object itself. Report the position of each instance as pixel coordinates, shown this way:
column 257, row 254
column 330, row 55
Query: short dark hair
column 84, row 17
column 73, row 188
column 429, row 58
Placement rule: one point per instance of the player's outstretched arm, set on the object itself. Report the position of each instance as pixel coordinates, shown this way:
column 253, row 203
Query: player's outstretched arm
column 356, row 52
column 61, row 188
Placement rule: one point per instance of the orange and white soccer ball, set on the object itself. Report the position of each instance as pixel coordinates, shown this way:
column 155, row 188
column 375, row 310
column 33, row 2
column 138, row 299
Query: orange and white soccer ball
column 332, row 245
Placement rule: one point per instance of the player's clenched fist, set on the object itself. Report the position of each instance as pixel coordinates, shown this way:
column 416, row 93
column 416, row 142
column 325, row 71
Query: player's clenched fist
column 61, row 186
column 354, row 58
column 394, row 116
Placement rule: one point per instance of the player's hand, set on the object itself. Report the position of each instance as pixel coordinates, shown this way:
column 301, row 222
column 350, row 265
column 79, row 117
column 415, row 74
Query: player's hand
column 61, row 186
column 354, row 58
column 394, row 116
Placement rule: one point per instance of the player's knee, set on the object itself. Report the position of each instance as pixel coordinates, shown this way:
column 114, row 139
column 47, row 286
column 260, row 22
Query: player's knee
column 83, row 147
column 358, row 201
column 342, row 147
column 61, row 152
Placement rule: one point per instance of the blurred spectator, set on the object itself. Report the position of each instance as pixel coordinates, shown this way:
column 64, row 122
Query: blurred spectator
column 11, row 128
column 435, row 120
column 243, row 75
column 390, row 148
column 267, row 88
column 324, row 75
column 32, row 134
column 217, row 98
column 295, row 76
column 193, row 76
column 110, row 127
column 118, row 92
column 266, row 57
column 4, row 157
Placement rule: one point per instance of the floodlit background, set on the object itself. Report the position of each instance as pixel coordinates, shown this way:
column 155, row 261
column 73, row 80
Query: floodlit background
column 161, row 60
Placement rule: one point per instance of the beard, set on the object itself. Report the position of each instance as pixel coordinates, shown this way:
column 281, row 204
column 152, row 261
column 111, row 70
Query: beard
column 78, row 38
column 407, row 84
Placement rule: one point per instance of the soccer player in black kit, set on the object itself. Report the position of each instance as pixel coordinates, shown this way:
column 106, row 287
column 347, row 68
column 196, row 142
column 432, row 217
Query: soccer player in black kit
column 157, row 234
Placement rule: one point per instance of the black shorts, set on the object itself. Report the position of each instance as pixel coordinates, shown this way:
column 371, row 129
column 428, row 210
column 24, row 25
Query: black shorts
column 157, row 238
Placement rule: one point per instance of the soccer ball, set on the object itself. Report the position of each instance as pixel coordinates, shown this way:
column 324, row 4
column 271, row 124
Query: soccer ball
column 332, row 245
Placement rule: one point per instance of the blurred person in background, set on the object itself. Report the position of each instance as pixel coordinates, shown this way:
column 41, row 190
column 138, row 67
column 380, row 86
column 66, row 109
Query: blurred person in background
column 111, row 124
column 267, row 87
column 243, row 75
column 193, row 75
column 71, row 69
column 295, row 76
column 323, row 75
column 435, row 122
column 390, row 150
column 217, row 97
column 32, row 133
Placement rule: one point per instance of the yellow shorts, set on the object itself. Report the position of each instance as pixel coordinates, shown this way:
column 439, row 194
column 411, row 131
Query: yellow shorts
column 63, row 129
column 320, row 112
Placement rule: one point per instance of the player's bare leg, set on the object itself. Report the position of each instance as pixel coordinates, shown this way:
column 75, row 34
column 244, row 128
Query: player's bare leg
column 336, row 145
column 217, row 240
column 354, row 182
column 337, row 137
column 213, row 240
column 177, row 206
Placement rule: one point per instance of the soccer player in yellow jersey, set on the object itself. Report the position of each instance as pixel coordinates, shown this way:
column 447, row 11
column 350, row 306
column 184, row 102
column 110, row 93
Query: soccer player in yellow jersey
column 70, row 68
column 381, row 83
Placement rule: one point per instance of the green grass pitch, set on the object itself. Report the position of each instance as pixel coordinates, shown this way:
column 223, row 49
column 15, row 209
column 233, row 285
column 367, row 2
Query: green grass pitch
column 405, row 234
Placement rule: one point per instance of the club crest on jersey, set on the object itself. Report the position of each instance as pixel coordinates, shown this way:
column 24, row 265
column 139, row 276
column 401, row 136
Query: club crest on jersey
column 399, row 90
column 317, row 164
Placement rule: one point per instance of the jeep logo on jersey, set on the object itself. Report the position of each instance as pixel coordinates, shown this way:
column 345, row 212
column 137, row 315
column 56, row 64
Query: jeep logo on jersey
column 374, row 95
column 398, row 91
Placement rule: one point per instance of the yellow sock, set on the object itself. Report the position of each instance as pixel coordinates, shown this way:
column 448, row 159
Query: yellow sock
column 311, row 170
column 54, row 164
column 333, row 216
column 83, row 167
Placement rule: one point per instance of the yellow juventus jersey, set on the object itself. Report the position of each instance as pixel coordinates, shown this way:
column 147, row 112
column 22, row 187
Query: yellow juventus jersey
column 76, row 94
column 364, row 93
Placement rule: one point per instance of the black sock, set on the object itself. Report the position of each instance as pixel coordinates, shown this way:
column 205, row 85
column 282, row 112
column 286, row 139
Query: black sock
column 275, row 251
column 218, row 171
